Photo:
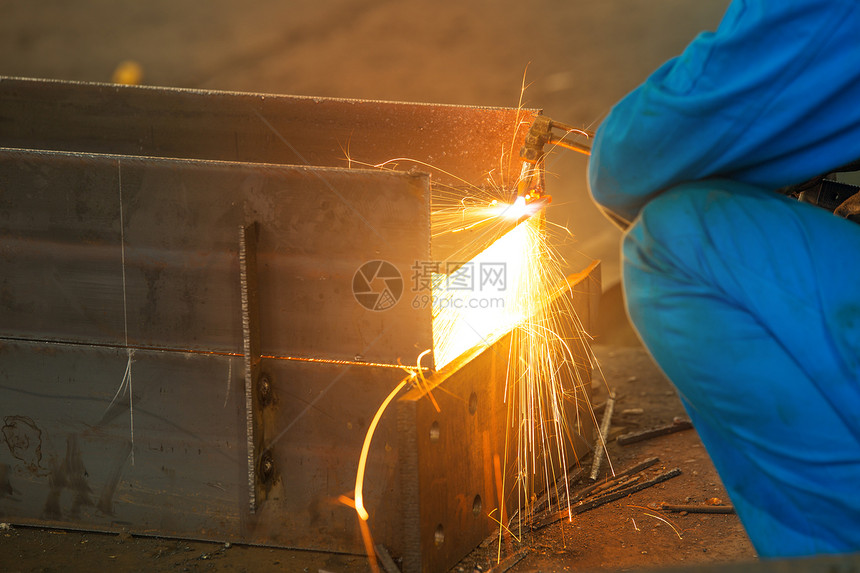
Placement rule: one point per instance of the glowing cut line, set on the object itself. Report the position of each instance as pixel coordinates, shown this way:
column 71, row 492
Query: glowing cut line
column 466, row 317
column 362, row 461
column 365, row 448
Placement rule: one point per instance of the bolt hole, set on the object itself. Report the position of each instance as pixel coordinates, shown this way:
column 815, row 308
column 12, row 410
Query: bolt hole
column 477, row 505
column 434, row 432
column 473, row 403
column 265, row 390
column 439, row 536
column 267, row 467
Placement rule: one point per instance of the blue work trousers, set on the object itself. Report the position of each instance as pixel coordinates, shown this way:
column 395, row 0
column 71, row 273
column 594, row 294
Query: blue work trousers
column 750, row 303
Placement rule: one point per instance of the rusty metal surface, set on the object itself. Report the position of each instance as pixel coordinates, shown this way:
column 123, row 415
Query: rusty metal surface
column 121, row 277
column 163, row 372
column 455, row 468
column 62, row 248
column 316, row 425
column 66, row 446
column 467, row 150
column 70, row 454
column 467, row 142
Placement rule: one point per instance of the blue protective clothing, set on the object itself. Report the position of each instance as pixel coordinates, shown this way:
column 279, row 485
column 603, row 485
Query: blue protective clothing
column 771, row 98
column 748, row 300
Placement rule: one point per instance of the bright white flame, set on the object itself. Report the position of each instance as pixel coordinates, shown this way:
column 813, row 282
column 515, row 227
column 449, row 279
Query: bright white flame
column 543, row 383
column 487, row 296
column 518, row 209
column 512, row 211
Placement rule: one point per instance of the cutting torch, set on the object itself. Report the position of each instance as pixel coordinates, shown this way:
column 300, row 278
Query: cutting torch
column 530, row 186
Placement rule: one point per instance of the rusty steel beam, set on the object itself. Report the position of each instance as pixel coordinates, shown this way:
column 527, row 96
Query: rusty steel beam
column 464, row 144
column 63, row 247
column 465, row 149
column 127, row 293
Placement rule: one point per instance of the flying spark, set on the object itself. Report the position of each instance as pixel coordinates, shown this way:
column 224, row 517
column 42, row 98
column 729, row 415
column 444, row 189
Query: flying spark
column 492, row 228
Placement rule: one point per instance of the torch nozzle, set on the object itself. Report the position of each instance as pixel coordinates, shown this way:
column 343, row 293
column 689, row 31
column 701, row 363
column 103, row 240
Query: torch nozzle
column 530, row 184
column 525, row 182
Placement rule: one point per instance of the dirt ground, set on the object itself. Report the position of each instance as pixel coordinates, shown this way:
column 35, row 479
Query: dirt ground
column 629, row 534
column 578, row 57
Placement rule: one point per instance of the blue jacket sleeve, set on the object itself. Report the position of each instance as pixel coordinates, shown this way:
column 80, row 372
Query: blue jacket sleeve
column 771, row 98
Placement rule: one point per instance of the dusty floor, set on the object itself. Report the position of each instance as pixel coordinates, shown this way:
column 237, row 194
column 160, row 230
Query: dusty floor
column 581, row 57
column 628, row 533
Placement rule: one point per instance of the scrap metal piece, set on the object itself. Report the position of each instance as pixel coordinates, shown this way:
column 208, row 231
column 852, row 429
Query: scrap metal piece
column 602, row 435
column 697, row 508
column 633, row 437
column 588, row 505
column 585, row 492
column 549, row 497
column 385, row 559
column 508, row 562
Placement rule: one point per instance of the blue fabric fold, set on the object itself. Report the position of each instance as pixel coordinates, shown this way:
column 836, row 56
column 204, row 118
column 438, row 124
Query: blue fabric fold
column 750, row 301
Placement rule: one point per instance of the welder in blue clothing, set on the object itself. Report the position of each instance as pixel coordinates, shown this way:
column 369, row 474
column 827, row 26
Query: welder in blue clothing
column 747, row 299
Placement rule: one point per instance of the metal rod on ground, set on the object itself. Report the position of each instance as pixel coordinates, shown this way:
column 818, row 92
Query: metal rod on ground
column 676, row 426
column 505, row 564
column 585, row 492
column 600, row 446
column 597, row 502
column 698, row 508
column 385, row 559
column 547, row 498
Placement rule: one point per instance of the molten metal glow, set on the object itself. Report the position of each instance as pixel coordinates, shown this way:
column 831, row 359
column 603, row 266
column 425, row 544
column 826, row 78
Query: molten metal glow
column 516, row 210
column 486, row 297
column 365, row 449
column 517, row 285
column 362, row 460
column 547, row 340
